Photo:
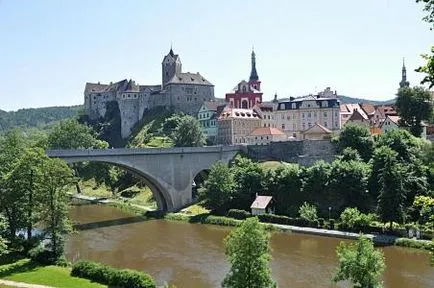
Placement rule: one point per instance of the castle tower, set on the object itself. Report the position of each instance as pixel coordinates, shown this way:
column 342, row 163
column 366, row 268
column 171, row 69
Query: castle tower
column 404, row 82
column 254, row 78
column 171, row 66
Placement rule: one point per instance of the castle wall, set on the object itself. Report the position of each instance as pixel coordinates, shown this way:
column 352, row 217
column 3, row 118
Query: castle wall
column 129, row 109
column 305, row 152
column 95, row 103
column 189, row 98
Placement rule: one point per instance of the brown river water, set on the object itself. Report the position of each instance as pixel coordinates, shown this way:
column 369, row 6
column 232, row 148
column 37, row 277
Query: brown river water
column 192, row 255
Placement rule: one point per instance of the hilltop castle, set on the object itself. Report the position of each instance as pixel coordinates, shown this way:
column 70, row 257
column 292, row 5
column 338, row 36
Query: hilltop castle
column 178, row 91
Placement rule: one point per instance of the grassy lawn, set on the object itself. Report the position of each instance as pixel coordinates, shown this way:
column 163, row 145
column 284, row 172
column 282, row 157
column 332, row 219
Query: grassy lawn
column 270, row 164
column 195, row 209
column 26, row 271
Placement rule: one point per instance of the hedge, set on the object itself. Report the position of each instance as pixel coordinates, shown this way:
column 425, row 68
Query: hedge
column 278, row 219
column 411, row 243
column 112, row 277
column 238, row 214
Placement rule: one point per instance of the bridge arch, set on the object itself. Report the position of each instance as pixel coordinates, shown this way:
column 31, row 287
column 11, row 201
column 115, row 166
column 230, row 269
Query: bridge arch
column 169, row 172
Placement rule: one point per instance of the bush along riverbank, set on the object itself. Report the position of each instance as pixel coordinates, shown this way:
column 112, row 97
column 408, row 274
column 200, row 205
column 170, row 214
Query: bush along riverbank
column 322, row 227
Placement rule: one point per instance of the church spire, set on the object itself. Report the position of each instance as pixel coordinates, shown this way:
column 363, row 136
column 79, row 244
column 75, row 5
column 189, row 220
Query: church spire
column 253, row 73
column 404, row 82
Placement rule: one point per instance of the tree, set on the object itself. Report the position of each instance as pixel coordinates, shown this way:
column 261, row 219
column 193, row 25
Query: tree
column 315, row 184
column 350, row 154
column 248, row 178
column 379, row 159
column 429, row 8
column 360, row 263
column 56, row 177
column 358, row 138
column 69, row 134
column 428, row 69
column 218, row 189
column 393, row 191
column 414, row 105
column 188, row 133
column 3, row 246
column 171, row 123
column 248, row 250
column 284, row 184
column 12, row 147
column 348, row 184
column 406, row 145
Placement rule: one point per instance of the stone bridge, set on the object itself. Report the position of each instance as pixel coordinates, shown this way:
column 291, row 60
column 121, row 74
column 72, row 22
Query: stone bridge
column 169, row 172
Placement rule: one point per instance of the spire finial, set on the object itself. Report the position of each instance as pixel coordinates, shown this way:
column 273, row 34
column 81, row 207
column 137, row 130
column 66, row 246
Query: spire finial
column 171, row 49
column 253, row 73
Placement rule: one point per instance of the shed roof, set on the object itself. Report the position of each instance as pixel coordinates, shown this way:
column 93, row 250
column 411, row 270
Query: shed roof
column 261, row 202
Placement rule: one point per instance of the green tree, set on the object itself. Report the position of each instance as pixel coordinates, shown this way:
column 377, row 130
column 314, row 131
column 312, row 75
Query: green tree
column 284, row 184
column 70, row 134
column 357, row 137
column 171, row 123
column 406, row 145
column 248, row 177
column 3, row 243
column 315, row 184
column 379, row 159
column 308, row 212
column 350, row 154
column 348, row 184
column 12, row 146
column 248, row 250
column 428, row 69
column 414, row 105
column 393, row 191
column 360, row 263
column 188, row 133
column 218, row 189
column 429, row 8
column 56, row 177
column 25, row 183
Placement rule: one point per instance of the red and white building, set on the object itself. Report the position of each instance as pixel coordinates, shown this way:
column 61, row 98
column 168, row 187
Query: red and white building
column 246, row 94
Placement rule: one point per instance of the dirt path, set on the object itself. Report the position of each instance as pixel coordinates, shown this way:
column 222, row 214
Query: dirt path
column 22, row 285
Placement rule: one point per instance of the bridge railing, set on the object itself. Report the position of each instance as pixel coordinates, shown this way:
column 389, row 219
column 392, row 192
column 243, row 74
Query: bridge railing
column 141, row 151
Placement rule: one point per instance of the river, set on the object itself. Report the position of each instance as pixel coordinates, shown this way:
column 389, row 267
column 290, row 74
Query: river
column 192, row 255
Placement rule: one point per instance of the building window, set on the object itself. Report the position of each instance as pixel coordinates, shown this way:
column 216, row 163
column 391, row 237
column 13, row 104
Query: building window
column 288, row 117
column 309, row 124
column 283, row 126
column 325, row 124
column 293, row 106
column 302, row 115
column 309, row 115
column 325, row 114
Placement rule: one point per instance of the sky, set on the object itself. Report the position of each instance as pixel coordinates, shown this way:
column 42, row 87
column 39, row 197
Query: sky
column 49, row 49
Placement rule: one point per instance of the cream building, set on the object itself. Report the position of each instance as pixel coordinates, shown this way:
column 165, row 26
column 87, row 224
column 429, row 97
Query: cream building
column 265, row 135
column 234, row 125
column 299, row 114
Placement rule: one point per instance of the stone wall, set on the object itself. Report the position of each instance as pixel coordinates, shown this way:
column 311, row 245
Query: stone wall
column 305, row 152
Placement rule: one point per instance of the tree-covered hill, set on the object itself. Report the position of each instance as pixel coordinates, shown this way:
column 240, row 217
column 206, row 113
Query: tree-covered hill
column 347, row 99
column 36, row 117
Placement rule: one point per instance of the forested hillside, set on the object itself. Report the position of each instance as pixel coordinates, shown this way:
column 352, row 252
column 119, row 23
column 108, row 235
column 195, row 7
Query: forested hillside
column 35, row 117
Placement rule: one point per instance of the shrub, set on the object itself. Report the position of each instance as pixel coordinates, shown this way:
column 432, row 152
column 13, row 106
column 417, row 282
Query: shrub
column 219, row 220
column 42, row 256
column 308, row 212
column 332, row 224
column 411, row 243
column 238, row 214
column 321, row 222
column 353, row 219
column 277, row 219
column 112, row 277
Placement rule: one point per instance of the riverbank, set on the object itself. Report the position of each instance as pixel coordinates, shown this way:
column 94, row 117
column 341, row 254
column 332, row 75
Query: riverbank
column 197, row 214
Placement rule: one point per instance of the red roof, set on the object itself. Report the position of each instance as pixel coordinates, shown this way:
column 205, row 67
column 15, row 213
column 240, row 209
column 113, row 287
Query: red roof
column 261, row 202
column 267, row 131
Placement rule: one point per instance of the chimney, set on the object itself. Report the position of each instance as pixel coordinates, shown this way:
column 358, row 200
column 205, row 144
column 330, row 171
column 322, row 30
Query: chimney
column 256, row 194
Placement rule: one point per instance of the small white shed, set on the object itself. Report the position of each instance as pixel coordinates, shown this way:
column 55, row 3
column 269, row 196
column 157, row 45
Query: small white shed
column 262, row 205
